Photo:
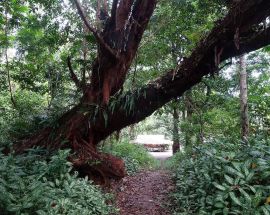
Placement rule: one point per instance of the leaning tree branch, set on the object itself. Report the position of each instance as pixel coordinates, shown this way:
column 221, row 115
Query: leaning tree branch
column 159, row 92
column 139, row 17
column 73, row 76
column 98, row 37
column 84, row 128
column 200, row 63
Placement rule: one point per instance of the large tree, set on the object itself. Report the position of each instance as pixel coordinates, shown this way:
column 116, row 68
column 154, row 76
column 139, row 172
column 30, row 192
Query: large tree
column 104, row 109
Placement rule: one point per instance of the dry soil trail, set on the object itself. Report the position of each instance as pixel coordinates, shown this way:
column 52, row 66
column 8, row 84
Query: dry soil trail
column 146, row 193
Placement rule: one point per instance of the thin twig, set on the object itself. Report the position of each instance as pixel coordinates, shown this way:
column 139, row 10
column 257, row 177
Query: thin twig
column 73, row 75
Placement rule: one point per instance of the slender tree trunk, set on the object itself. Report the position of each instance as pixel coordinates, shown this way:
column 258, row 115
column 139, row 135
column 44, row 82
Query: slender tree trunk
column 244, row 98
column 189, row 111
column 6, row 56
column 201, row 133
column 176, row 139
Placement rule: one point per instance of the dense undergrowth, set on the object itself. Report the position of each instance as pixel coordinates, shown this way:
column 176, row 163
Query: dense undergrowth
column 38, row 183
column 223, row 177
column 135, row 156
column 32, row 184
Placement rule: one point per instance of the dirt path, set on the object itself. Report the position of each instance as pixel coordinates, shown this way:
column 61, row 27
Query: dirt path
column 146, row 193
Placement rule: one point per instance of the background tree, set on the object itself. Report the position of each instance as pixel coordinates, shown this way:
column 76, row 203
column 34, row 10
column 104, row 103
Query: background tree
column 243, row 98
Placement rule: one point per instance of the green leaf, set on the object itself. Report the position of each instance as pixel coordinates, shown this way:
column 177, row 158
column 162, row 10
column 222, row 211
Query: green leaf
column 105, row 115
column 218, row 186
column 252, row 188
column 237, row 166
column 235, row 199
column 22, row 9
column 229, row 179
column 219, row 205
column 233, row 171
column 258, row 197
column 247, row 165
column 248, row 198
column 226, row 211
column 250, row 176
column 265, row 210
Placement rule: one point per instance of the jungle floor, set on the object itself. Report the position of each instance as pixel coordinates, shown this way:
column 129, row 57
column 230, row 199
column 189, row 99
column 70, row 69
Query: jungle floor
column 146, row 193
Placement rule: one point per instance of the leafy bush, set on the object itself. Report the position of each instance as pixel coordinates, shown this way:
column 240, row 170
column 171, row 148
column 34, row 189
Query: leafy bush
column 30, row 185
column 135, row 156
column 22, row 120
column 224, row 178
column 30, row 114
column 173, row 162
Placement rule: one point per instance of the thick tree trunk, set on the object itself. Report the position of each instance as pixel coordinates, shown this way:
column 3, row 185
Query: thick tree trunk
column 97, row 116
column 243, row 98
column 82, row 128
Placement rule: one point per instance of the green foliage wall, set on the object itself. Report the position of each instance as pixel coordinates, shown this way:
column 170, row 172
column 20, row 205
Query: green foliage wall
column 31, row 185
column 135, row 156
column 224, row 177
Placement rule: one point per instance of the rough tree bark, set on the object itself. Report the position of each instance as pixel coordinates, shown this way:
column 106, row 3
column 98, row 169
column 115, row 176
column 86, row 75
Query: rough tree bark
column 176, row 138
column 102, row 111
column 243, row 98
column 188, row 112
column 79, row 129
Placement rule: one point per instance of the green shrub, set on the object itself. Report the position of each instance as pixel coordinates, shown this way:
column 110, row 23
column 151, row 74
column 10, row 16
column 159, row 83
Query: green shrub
column 30, row 185
column 21, row 121
column 173, row 162
column 135, row 156
column 224, row 178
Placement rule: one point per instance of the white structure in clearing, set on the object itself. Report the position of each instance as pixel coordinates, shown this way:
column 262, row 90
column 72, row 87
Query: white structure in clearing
column 152, row 139
column 154, row 143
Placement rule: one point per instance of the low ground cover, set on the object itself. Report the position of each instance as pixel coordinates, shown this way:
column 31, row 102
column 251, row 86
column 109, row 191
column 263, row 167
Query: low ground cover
column 223, row 177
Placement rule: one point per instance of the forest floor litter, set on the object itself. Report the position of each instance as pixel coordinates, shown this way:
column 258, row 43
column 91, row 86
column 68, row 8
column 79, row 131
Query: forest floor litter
column 146, row 193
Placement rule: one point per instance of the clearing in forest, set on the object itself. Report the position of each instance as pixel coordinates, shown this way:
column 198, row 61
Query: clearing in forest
column 146, row 193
